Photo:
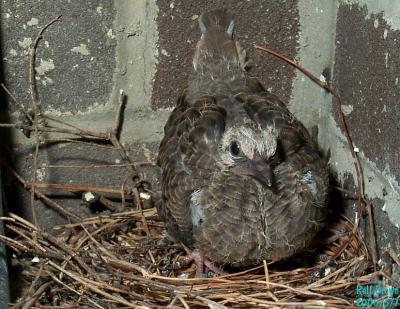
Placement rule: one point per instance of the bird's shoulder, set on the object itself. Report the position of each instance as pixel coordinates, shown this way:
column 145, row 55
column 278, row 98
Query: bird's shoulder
column 191, row 140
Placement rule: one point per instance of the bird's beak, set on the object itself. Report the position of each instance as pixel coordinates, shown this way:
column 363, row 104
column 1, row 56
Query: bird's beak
column 259, row 170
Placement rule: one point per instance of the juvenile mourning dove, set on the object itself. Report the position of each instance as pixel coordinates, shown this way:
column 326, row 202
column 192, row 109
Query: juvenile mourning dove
column 242, row 179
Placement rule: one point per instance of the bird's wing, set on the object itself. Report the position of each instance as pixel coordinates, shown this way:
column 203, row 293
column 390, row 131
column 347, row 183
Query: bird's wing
column 187, row 158
column 301, row 177
column 294, row 142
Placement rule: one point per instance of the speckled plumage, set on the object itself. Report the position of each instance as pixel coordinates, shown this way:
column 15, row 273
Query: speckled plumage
column 242, row 179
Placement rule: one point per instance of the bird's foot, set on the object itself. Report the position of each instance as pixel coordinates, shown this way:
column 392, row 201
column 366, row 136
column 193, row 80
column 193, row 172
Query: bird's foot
column 201, row 262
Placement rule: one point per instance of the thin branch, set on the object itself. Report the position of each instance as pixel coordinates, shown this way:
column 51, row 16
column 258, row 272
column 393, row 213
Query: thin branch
column 77, row 141
column 66, row 213
column 20, row 105
column 34, row 101
column 32, row 56
column 37, row 295
column 13, row 244
column 116, row 130
column 81, row 133
column 92, row 287
column 78, row 131
column 266, row 273
column 110, row 165
column 372, row 236
column 75, row 187
column 342, row 120
column 68, row 250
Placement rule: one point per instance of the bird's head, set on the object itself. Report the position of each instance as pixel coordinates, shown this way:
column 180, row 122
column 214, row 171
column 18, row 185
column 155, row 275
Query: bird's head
column 248, row 151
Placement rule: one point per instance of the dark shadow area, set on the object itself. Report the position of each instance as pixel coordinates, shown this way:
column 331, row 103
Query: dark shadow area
column 5, row 142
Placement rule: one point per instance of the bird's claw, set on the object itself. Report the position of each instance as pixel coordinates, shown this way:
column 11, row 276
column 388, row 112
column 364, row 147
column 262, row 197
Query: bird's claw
column 201, row 262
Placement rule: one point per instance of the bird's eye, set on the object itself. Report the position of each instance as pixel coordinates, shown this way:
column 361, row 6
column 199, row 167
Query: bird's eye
column 234, row 148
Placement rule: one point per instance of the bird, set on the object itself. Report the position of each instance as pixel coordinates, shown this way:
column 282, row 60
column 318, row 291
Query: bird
column 242, row 179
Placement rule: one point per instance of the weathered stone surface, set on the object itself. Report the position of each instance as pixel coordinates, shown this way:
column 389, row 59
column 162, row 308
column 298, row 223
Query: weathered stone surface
column 75, row 60
column 367, row 69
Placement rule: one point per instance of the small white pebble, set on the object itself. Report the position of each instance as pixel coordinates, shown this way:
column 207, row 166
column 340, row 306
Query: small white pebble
column 164, row 52
column 36, row 259
column 33, row 22
column 322, row 79
column 327, row 271
column 88, row 196
column 356, row 149
column 172, row 5
column 117, row 161
column 347, row 109
column 110, row 34
column 13, row 52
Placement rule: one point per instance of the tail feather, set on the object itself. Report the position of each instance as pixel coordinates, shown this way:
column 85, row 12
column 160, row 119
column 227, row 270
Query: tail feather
column 216, row 42
column 218, row 18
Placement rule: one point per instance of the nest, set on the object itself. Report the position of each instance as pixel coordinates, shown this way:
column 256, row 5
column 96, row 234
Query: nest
column 122, row 259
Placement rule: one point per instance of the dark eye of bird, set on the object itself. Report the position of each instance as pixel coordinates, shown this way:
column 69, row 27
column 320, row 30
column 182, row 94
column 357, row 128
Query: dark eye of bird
column 234, row 148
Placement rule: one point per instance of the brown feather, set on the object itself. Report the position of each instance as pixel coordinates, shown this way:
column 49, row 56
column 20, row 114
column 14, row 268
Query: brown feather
column 236, row 219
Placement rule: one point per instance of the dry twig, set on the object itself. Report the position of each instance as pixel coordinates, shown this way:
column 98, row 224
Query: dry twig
column 34, row 101
column 342, row 120
column 124, row 263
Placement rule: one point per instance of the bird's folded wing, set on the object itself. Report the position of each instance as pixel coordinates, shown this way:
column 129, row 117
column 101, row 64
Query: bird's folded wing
column 187, row 157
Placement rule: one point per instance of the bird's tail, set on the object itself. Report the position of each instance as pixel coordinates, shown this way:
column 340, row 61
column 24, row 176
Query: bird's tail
column 217, row 20
column 217, row 39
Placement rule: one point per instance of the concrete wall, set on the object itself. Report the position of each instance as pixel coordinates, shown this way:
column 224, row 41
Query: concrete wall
column 145, row 48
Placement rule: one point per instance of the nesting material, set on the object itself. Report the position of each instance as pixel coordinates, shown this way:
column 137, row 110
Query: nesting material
column 124, row 260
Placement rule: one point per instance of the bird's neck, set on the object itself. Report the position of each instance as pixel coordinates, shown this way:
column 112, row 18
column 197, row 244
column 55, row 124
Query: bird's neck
column 217, row 77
